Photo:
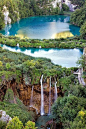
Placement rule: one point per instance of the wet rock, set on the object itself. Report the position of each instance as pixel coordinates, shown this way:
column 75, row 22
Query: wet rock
column 4, row 117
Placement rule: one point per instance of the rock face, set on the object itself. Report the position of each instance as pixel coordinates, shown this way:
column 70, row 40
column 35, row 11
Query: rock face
column 7, row 19
column 25, row 96
column 67, row 2
column 4, row 117
column 31, row 95
column 71, row 6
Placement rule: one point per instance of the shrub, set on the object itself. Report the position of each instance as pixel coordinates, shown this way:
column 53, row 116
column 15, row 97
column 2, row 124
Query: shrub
column 15, row 123
column 30, row 125
column 65, row 7
column 2, row 125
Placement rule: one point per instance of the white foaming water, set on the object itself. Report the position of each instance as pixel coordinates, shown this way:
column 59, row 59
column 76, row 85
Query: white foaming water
column 31, row 100
column 42, row 97
column 50, row 98
column 55, row 91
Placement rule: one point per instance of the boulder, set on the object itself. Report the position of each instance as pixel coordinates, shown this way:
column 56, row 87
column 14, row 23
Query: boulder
column 4, row 117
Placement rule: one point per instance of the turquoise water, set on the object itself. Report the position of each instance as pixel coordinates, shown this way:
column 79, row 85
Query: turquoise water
column 63, row 57
column 41, row 27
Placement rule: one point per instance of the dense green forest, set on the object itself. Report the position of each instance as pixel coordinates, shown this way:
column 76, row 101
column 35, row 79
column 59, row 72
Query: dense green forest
column 17, row 66
column 80, row 3
column 21, row 67
column 79, row 18
column 69, row 110
column 27, row 8
column 72, row 42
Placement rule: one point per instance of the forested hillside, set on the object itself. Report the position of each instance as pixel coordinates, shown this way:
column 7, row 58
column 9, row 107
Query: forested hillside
column 80, row 3
column 79, row 18
column 26, row 8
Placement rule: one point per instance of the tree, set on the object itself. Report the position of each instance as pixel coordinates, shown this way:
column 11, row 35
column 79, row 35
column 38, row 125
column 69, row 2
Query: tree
column 15, row 123
column 65, row 7
column 78, row 17
column 78, row 2
column 1, row 63
column 80, row 121
column 30, row 125
column 8, row 66
column 2, row 125
column 83, row 31
column 1, row 19
column 65, row 109
column 82, row 62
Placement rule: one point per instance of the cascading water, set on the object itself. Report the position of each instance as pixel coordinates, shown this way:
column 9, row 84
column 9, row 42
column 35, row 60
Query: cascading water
column 50, row 97
column 55, row 91
column 17, row 44
column 42, row 97
column 31, row 100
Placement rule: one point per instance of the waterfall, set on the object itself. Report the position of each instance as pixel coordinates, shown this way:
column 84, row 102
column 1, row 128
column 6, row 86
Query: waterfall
column 55, row 91
column 42, row 97
column 50, row 97
column 31, row 100
column 17, row 44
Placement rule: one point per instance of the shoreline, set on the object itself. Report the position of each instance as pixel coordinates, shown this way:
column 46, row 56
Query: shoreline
column 72, row 42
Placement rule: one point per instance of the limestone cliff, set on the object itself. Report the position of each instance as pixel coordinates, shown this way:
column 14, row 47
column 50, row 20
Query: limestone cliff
column 24, row 93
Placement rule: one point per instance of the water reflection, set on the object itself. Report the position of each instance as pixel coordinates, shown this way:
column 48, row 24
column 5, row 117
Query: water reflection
column 7, row 29
column 41, row 27
column 64, row 34
column 64, row 57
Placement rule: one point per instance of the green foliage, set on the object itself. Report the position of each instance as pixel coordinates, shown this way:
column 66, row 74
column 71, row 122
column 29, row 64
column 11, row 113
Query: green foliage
column 6, row 75
column 80, row 121
column 15, row 123
column 7, row 66
column 25, row 8
column 30, row 125
column 80, row 3
column 83, row 31
column 9, row 96
column 82, row 62
column 76, row 90
column 1, row 63
column 18, row 110
column 2, row 125
column 65, row 7
column 73, row 42
column 1, row 19
column 28, row 68
column 66, row 109
column 78, row 17
column 66, row 81
column 61, row 12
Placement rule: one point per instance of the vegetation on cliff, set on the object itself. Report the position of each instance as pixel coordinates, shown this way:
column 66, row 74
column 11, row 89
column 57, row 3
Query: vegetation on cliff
column 1, row 19
column 79, row 18
column 17, row 109
column 79, row 3
column 25, row 8
column 15, row 123
column 27, row 66
column 70, row 111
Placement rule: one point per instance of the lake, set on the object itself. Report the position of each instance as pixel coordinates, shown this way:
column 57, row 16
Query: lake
column 41, row 27
column 63, row 57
